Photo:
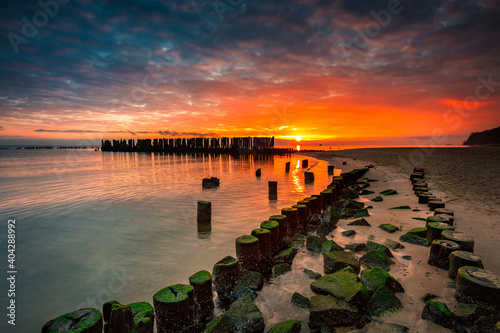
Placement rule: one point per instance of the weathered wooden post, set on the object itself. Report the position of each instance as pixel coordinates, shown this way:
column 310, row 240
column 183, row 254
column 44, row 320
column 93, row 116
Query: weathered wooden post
column 287, row 167
column 301, row 216
column 309, row 177
column 283, row 228
column 273, row 227
column 273, row 190
column 478, row 285
column 203, row 295
column 440, row 252
column 247, row 252
column 258, row 172
column 225, row 273
column 465, row 241
column 305, row 163
column 314, row 204
column 292, row 220
column 462, row 258
column 86, row 320
column 174, row 308
column 435, row 203
column 331, row 169
column 434, row 230
column 265, row 249
column 204, row 211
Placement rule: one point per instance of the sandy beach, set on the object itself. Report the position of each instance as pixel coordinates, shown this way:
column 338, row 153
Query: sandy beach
column 475, row 215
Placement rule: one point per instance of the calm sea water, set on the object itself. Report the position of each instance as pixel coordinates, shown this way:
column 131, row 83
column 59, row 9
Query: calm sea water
column 92, row 226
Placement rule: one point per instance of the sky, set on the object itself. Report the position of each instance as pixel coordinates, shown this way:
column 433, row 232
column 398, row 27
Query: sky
column 336, row 71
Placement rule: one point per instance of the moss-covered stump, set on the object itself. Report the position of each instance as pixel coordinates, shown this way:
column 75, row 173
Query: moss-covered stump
column 242, row 317
column 376, row 258
column 314, row 243
column 291, row 326
column 311, row 274
column 300, row 300
column 283, row 227
column 373, row 278
column 438, row 218
column 435, row 203
column 435, row 229
column 331, row 312
column 389, row 192
column 462, row 258
column 466, row 314
column 86, row 320
column 423, row 197
column 204, row 211
column 438, row 313
column 280, row 269
column 465, row 241
column 377, row 199
column 273, row 227
column 348, row 233
column 117, row 318
column 343, row 284
column 174, row 307
column 292, row 220
column 247, row 284
column 203, row 295
column 376, row 246
column 247, row 252
column 265, row 249
column 302, row 214
column 384, row 301
column 285, row 256
column 314, row 202
column 330, row 246
column 440, row 252
column 479, row 286
column 414, row 239
column 211, row 182
column 393, row 245
column 360, row 222
column 445, row 211
column 144, row 316
column 225, row 273
column 319, row 200
column 388, row 227
column 337, row 260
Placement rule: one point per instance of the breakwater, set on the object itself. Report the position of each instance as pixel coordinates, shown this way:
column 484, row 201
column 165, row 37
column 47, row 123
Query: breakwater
column 224, row 145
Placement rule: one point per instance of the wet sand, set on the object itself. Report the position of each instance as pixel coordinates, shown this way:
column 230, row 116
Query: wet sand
column 480, row 219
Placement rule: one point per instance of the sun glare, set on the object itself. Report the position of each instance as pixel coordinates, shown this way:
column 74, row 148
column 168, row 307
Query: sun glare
column 298, row 138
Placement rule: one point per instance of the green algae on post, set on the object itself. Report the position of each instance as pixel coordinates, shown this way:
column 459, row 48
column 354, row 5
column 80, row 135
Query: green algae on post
column 283, row 227
column 478, row 285
column 440, row 252
column 462, row 258
column 173, row 307
column 144, row 316
column 203, row 295
column 465, row 241
column 225, row 273
column 118, row 317
column 247, row 252
column 435, row 229
column 273, row 227
column 86, row 320
column 204, row 211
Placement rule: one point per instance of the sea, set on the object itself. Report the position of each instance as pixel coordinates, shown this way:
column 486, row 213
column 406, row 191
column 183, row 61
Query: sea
column 95, row 226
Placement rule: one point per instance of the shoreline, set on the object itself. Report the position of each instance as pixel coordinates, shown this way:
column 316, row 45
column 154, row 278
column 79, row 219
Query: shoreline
column 417, row 278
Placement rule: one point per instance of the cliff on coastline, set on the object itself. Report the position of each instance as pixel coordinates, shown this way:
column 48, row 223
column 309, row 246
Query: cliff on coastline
column 488, row 137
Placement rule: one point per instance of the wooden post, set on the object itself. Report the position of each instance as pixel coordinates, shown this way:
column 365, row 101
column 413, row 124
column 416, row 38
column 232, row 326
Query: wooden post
column 273, row 227
column 273, row 190
column 305, row 163
column 283, row 228
column 308, row 177
column 465, row 241
column 292, row 220
column 204, row 211
column 462, row 258
column 173, row 308
column 265, row 249
column 331, row 169
column 440, row 252
column 203, row 295
column 287, row 167
column 434, row 230
column 225, row 273
column 247, row 252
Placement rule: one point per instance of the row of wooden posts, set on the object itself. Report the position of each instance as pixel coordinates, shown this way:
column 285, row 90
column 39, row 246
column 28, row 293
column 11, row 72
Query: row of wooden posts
column 454, row 251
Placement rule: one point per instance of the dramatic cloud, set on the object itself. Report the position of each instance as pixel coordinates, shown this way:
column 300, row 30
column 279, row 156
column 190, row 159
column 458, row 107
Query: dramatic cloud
column 1, row 128
column 322, row 69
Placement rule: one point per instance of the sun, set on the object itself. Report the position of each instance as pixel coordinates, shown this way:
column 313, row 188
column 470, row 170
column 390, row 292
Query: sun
column 298, row 138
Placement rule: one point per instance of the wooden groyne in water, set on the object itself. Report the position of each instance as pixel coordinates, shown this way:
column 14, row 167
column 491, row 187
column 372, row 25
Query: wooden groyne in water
column 225, row 145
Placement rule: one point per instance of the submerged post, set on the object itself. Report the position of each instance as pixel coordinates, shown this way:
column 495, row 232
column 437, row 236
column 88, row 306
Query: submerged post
column 204, row 211
column 273, row 190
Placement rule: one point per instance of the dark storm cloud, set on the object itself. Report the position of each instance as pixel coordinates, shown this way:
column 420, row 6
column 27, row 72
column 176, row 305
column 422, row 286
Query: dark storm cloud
column 93, row 56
